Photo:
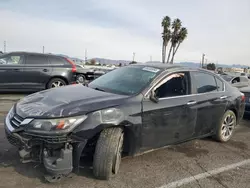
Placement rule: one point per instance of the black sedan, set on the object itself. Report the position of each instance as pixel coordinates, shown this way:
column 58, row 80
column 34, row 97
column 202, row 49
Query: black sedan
column 128, row 111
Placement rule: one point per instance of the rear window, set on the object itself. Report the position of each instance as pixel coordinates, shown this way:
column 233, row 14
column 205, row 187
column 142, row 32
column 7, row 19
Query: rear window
column 36, row 59
column 205, row 82
column 56, row 60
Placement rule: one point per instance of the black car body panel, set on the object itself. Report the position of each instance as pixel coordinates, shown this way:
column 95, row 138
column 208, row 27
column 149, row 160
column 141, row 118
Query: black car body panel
column 33, row 71
column 246, row 91
column 148, row 122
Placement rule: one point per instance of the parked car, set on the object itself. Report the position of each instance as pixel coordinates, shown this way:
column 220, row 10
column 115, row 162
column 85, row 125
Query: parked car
column 84, row 74
column 237, row 81
column 128, row 111
column 35, row 71
column 246, row 91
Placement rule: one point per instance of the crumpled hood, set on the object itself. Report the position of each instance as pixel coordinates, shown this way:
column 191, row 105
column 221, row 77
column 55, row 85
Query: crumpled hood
column 66, row 101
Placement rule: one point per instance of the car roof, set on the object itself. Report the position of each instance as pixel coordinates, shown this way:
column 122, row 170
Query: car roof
column 31, row 53
column 176, row 67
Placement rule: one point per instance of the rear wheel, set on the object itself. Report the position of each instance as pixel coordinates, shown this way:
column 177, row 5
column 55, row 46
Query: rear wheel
column 81, row 78
column 56, row 82
column 226, row 128
column 108, row 153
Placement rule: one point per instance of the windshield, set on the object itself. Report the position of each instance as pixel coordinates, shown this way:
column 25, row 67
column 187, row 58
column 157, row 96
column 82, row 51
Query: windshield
column 126, row 80
column 228, row 78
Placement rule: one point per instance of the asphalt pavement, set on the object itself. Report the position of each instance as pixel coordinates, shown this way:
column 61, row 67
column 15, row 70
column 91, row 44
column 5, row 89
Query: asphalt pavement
column 198, row 163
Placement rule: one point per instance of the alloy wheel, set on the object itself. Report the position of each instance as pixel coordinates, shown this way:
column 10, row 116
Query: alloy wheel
column 228, row 127
column 57, row 84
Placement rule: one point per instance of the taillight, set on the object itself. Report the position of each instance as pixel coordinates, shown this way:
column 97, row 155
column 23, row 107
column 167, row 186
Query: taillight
column 72, row 63
column 243, row 97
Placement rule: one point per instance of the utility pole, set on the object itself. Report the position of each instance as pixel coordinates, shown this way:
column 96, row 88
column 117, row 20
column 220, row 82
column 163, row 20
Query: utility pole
column 202, row 61
column 133, row 56
column 43, row 49
column 151, row 58
column 4, row 46
column 85, row 56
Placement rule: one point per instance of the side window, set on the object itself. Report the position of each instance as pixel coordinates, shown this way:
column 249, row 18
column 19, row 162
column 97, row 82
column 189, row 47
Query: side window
column 56, row 60
column 243, row 79
column 12, row 59
column 205, row 82
column 220, row 84
column 176, row 84
column 36, row 59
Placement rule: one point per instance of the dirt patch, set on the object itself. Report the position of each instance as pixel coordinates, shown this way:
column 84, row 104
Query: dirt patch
column 237, row 144
column 190, row 150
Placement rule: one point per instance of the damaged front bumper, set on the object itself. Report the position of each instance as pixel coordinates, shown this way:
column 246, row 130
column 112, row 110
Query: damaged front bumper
column 59, row 154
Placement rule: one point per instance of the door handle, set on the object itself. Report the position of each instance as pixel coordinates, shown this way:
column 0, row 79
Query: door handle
column 45, row 70
column 191, row 102
column 223, row 97
column 16, row 70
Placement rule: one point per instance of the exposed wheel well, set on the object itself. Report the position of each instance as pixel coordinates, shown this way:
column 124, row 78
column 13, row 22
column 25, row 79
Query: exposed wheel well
column 127, row 147
column 61, row 77
column 234, row 111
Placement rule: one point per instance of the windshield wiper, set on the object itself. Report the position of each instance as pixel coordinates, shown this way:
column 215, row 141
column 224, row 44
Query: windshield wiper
column 98, row 89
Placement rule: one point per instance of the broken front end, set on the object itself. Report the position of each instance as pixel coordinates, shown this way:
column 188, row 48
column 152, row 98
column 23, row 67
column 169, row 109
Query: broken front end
column 49, row 142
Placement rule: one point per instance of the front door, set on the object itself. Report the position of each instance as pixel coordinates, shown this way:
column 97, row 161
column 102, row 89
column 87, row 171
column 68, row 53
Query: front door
column 11, row 71
column 172, row 119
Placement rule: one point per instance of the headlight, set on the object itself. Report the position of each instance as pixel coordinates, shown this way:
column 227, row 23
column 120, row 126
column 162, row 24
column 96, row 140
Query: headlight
column 56, row 124
column 110, row 115
column 11, row 113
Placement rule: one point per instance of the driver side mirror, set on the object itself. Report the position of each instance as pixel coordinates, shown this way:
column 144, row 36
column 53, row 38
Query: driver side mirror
column 153, row 96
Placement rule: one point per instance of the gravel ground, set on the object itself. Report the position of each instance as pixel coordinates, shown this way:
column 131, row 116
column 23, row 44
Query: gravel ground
column 155, row 169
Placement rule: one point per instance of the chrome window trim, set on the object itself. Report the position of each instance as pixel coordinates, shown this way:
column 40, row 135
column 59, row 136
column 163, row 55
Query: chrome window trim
column 181, row 96
column 214, row 75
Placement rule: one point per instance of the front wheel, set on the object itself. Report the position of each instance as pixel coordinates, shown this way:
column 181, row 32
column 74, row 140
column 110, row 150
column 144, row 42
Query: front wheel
column 226, row 128
column 108, row 152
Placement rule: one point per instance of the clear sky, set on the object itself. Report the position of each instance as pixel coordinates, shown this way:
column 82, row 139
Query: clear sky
column 116, row 28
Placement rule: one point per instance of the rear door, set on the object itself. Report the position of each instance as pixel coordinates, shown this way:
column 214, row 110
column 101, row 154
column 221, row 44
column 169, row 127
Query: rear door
column 211, row 101
column 11, row 71
column 37, row 71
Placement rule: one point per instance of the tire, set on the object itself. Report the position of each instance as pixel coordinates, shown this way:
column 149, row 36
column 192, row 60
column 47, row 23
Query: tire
column 81, row 79
column 108, row 151
column 227, row 126
column 56, row 82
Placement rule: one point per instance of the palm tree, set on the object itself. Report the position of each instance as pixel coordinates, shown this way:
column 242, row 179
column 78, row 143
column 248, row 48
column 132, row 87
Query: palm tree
column 180, row 37
column 176, row 26
column 166, row 35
